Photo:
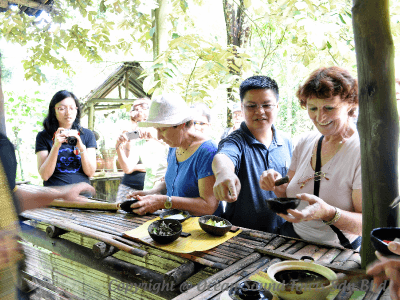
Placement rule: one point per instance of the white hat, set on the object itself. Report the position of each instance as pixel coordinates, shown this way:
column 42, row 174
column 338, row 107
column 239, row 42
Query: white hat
column 167, row 110
column 236, row 107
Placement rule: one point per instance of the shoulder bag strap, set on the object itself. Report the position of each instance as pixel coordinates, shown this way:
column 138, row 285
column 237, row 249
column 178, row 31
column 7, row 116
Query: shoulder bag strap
column 317, row 179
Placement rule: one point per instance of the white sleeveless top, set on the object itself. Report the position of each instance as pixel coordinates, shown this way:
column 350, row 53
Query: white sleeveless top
column 344, row 173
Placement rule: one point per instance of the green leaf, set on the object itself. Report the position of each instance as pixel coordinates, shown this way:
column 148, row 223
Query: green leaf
column 247, row 3
column 184, row 5
column 341, row 19
column 103, row 7
column 152, row 30
column 328, row 45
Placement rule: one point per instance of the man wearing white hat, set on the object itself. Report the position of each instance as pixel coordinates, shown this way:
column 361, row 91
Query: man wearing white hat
column 237, row 119
column 242, row 157
column 189, row 178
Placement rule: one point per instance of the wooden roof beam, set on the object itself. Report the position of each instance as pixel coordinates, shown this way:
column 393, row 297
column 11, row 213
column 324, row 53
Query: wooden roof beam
column 110, row 100
column 3, row 3
column 35, row 5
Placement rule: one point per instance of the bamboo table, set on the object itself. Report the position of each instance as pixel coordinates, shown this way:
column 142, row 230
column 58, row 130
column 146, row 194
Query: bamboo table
column 86, row 257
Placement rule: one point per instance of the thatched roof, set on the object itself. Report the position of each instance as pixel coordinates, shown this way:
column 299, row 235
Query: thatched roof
column 30, row 7
column 125, row 75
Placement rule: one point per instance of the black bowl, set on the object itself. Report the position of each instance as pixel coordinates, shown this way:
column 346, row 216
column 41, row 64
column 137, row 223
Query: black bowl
column 384, row 233
column 175, row 214
column 126, row 205
column 165, row 239
column 250, row 289
column 281, row 205
column 214, row 230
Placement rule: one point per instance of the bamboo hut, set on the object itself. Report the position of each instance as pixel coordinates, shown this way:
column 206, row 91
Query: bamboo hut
column 127, row 79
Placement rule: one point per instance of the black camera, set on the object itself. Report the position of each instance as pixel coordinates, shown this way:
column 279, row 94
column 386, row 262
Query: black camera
column 71, row 140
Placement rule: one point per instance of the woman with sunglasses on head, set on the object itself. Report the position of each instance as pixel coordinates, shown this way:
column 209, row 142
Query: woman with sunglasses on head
column 189, row 178
column 142, row 157
column 325, row 172
column 66, row 152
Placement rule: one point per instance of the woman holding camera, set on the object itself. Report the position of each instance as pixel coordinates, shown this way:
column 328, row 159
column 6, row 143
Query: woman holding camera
column 66, row 152
column 142, row 157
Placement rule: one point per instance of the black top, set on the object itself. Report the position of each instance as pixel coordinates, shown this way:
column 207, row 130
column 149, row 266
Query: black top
column 68, row 169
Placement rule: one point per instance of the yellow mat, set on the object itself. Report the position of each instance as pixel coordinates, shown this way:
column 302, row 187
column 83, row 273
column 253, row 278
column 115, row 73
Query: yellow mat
column 199, row 240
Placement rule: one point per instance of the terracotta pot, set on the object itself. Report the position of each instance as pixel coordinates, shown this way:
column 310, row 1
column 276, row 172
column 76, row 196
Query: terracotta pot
column 109, row 164
column 99, row 164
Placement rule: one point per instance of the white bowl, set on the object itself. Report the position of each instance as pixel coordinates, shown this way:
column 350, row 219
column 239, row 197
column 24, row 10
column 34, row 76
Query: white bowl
column 298, row 292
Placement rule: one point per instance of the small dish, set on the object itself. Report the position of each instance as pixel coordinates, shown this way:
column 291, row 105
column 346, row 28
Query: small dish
column 126, row 205
column 250, row 289
column 214, row 230
column 379, row 236
column 175, row 214
column 281, row 205
column 155, row 227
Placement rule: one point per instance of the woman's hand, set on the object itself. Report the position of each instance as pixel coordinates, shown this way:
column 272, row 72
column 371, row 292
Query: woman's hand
column 60, row 137
column 318, row 209
column 133, row 194
column 387, row 268
column 122, row 139
column 148, row 204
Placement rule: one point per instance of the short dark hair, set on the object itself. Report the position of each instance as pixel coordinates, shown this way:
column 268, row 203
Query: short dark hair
column 50, row 123
column 325, row 83
column 258, row 82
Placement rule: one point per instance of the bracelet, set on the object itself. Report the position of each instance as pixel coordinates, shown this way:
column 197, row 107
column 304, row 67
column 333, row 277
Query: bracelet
column 335, row 218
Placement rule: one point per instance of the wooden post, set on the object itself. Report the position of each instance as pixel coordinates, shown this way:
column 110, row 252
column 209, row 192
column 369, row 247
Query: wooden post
column 91, row 116
column 2, row 111
column 126, row 83
column 378, row 121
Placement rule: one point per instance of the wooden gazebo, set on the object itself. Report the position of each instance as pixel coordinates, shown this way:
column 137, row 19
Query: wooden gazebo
column 125, row 76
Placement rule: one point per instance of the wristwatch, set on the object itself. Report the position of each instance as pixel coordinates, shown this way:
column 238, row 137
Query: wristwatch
column 168, row 202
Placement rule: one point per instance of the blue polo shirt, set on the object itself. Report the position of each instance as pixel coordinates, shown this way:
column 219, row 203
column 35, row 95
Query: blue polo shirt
column 250, row 158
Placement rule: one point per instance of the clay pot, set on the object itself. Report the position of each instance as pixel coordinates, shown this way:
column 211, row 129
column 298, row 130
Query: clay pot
column 108, row 156
column 99, row 164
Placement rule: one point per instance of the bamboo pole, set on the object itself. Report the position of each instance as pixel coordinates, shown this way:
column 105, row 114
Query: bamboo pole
column 91, row 116
column 126, row 83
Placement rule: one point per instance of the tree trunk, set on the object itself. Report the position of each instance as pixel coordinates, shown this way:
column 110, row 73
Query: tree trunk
column 237, row 27
column 2, row 111
column 378, row 121
column 160, row 25
column 238, row 33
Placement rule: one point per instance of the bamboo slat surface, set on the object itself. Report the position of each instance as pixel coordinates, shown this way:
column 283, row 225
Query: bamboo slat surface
column 266, row 248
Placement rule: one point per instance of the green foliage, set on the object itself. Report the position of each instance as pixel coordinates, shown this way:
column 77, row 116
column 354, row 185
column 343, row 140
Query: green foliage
column 195, row 68
column 24, row 117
